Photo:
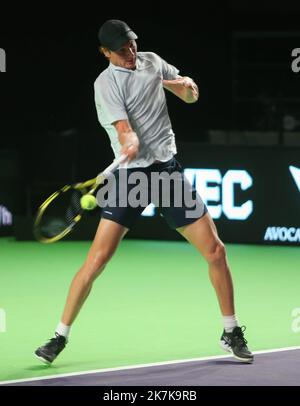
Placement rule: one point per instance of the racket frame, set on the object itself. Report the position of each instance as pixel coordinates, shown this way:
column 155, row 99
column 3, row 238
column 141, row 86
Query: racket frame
column 91, row 184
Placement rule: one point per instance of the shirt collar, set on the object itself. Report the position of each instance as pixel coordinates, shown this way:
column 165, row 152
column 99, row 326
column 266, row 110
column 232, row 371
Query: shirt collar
column 119, row 68
column 141, row 63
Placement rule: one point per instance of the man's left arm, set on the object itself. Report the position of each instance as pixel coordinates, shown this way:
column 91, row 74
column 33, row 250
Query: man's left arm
column 183, row 87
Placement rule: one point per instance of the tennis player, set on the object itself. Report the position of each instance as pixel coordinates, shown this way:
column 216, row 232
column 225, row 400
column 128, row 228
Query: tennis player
column 131, row 106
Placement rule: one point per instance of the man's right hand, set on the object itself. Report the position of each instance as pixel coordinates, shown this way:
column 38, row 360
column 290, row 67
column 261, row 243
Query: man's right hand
column 130, row 150
column 128, row 139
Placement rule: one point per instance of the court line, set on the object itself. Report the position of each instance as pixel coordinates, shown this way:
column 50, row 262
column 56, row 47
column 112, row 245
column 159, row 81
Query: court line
column 155, row 364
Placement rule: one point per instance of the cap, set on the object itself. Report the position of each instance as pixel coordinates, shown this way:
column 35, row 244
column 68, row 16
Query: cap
column 115, row 33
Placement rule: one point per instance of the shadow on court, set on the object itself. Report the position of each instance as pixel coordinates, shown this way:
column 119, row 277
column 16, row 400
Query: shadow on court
column 281, row 368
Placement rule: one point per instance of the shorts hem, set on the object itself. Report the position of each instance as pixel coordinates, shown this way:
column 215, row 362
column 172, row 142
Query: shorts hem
column 190, row 220
column 116, row 221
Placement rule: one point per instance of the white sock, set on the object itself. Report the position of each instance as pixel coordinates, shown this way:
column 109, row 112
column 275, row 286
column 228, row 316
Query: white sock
column 229, row 323
column 63, row 330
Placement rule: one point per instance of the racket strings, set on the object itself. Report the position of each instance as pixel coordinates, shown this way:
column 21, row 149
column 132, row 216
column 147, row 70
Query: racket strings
column 74, row 207
column 60, row 214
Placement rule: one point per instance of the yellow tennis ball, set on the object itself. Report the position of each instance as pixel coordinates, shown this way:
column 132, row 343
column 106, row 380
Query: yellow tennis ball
column 88, row 202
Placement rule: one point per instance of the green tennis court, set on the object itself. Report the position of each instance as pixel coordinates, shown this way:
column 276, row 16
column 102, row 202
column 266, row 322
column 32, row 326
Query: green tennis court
column 154, row 302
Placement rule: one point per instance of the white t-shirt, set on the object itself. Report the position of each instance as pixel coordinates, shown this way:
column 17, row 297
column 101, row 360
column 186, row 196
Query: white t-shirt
column 138, row 96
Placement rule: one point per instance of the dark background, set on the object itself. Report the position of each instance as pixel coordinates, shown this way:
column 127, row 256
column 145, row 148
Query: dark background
column 239, row 53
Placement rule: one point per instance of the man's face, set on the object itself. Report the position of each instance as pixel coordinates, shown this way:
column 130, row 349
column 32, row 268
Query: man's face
column 125, row 57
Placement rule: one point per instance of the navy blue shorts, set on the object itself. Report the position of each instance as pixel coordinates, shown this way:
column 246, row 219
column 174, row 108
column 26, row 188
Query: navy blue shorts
column 179, row 209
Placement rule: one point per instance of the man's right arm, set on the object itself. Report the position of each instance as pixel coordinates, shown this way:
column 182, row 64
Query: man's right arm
column 127, row 138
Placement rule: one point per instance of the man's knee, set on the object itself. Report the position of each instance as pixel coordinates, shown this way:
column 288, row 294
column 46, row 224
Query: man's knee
column 96, row 264
column 102, row 257
column 216, row 253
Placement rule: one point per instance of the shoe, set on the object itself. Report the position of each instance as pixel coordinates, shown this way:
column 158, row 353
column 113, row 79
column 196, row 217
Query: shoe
column 236, row 343
column 48, row 352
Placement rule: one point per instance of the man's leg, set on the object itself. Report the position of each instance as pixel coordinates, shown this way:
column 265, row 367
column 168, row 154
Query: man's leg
column 203, row 235
column 107, row 239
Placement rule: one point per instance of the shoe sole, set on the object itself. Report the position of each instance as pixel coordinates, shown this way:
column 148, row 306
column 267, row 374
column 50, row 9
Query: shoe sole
column 227, row 348
column 43, row 359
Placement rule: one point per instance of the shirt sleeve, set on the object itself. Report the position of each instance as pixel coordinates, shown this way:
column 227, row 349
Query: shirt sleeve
column 169, row 72
column 109, row 103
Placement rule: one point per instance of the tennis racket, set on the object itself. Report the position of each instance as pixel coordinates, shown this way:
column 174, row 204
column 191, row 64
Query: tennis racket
column 61, row 212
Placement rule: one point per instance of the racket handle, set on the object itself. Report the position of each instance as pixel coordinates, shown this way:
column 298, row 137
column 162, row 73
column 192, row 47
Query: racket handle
column 111, row 168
